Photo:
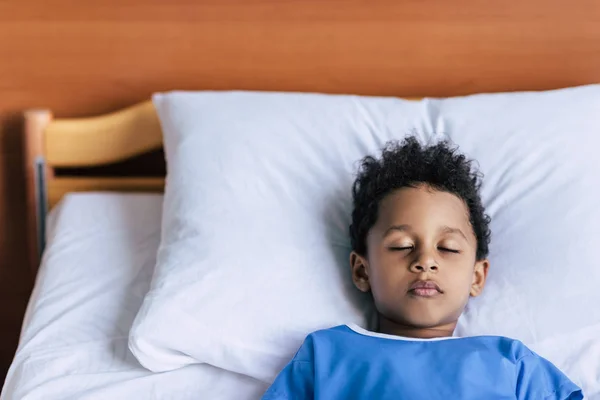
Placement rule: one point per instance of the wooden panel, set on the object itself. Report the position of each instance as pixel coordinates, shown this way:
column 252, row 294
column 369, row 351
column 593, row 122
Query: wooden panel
column 85, row 57
column 91, row 57
column 58, row 187
column 103, row 139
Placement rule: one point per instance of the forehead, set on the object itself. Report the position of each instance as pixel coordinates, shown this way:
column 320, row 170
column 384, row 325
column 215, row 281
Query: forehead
column 423, row 207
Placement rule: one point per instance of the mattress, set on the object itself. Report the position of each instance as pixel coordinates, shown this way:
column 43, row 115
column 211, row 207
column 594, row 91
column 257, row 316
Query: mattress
column 98, row 264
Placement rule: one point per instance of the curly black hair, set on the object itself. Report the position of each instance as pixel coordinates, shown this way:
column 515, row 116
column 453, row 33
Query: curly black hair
column 409, row 164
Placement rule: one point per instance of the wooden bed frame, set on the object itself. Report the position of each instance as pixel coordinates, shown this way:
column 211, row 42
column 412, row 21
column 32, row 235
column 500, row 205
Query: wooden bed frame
column 52, row 144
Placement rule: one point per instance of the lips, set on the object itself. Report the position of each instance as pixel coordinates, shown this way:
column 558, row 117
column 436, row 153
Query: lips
column 425, row 289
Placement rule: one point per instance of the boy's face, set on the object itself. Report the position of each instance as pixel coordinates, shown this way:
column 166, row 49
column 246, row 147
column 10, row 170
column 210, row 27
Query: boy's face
column 421, row 260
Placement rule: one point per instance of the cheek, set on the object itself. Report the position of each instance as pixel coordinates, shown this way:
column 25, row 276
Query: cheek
column 388, row 258
column 378, row 261
column 386, row 268
column 388, row 286
column 459, row 274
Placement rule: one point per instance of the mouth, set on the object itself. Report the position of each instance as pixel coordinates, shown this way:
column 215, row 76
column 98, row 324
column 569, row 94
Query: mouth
column 425, row 289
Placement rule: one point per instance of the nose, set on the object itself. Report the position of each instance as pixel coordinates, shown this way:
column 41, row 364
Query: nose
column 424, row 262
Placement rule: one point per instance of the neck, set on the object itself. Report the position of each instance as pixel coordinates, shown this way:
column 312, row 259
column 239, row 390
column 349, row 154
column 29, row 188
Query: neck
column 390, row 327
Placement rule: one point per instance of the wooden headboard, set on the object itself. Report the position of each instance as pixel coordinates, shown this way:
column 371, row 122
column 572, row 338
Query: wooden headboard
column 129, row 49
column 53, row 145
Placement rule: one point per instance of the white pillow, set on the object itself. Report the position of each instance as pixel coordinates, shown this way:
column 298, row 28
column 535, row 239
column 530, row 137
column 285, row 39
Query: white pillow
column 254, row 243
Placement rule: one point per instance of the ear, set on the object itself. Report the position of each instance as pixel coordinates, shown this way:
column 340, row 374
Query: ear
column 479, row 276
column 360, row 272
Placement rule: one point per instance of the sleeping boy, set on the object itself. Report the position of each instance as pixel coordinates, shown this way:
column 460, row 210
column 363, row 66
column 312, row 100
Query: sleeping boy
column 420, row 239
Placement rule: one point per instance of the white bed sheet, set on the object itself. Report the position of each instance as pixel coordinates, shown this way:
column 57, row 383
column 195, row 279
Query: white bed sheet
column 98, row 266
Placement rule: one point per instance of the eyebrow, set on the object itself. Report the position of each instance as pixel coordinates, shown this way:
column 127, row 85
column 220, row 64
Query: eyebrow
column 408, row 228
column 400, row 228
column 447, row 229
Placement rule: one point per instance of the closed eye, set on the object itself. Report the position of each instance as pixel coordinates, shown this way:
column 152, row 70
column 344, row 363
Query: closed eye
column 404, row 248
column 447, row 250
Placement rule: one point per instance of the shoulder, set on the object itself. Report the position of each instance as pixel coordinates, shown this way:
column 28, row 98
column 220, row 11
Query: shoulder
column 335, row 333
column 515, row 348
column 510, row 349
column 538, row 377
column 321, row 340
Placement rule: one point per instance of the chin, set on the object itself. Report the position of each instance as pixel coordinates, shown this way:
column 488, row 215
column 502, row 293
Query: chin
column 422, row 321
column 425, row 324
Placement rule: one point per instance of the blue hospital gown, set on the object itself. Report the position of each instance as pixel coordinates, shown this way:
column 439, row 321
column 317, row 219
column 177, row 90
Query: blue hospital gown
column 347, row 362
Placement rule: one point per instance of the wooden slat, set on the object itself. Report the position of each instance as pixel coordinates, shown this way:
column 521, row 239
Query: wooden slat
column 58, row 187
column 86, row 142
